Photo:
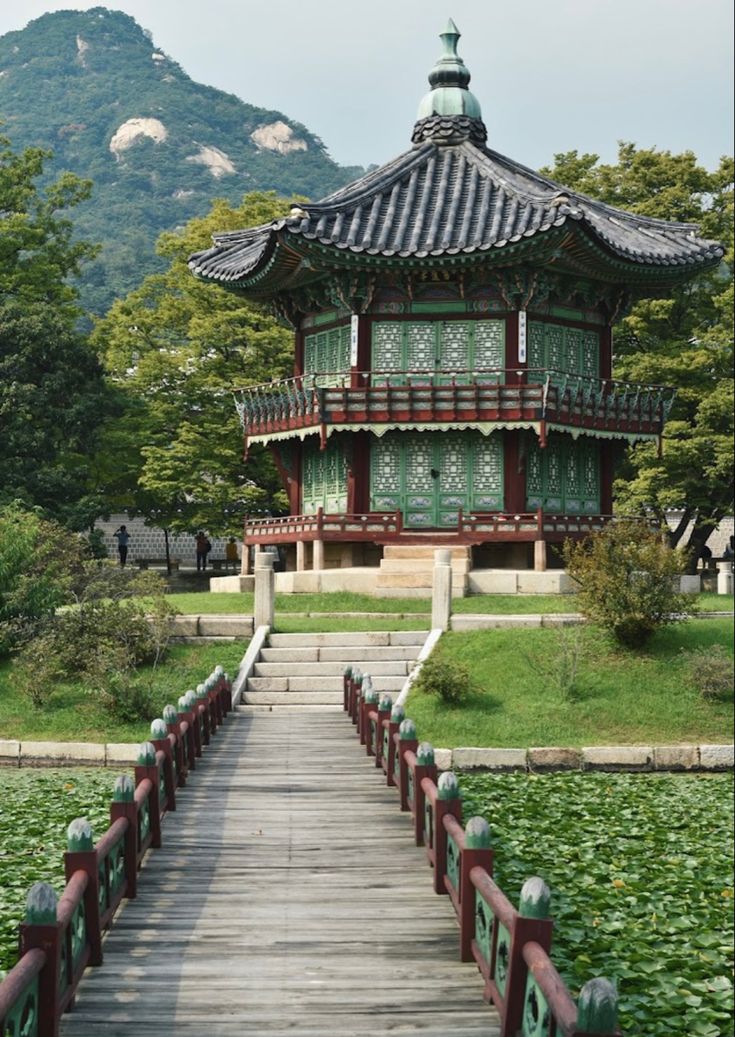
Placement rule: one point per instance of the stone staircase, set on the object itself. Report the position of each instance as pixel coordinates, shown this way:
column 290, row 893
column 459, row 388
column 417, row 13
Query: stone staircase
column 409, row 567
column 308, row 669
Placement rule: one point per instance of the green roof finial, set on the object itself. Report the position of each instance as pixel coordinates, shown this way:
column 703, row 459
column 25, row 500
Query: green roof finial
column 449, row 79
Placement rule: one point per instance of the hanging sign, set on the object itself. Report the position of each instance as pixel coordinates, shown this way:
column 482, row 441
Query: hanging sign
column 521, row 336
column 354, row 327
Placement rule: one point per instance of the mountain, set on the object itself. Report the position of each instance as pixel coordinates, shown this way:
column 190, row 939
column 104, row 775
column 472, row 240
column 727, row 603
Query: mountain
column 93, row 87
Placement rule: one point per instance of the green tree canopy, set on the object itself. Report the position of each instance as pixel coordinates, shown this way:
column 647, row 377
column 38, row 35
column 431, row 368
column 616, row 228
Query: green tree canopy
column 52, row 393
column 684, row 340
column 176, row 348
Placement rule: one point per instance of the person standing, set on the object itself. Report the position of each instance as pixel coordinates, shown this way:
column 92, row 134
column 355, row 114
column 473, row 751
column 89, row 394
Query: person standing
column 122, row 536
column 231, row 555
column 203, row 548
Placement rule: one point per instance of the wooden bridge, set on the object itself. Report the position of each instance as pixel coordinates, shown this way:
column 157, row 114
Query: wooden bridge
column 288, row 894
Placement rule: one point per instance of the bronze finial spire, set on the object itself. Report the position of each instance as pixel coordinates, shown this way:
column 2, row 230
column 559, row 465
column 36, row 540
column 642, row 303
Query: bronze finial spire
column 449, row 99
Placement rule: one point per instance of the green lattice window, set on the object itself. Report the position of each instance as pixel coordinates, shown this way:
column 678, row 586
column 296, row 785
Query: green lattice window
column 564, row 477
column 324, row 477
column 429, row 476
column 558, row 348
column 436, row 348
column 327, row 353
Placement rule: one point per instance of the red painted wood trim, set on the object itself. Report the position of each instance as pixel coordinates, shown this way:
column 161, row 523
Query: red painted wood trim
column 511, row 344
column 298, row 365
column 514, row 479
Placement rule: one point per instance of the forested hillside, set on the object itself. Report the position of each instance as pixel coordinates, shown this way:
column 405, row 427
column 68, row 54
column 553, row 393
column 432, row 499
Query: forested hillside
column 93, row 88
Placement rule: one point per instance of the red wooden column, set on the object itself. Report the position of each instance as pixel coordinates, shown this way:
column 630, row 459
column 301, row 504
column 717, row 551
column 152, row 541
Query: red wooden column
column 606, row 347
column 358, row 476
column 298, row 360
column 514, row 472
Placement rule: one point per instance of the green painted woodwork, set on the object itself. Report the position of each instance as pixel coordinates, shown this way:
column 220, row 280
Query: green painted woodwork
column 397, row 714
column 409, row 788
column 124, row 790
column 453, row 862
column 558, row 348
column 397, row 766
column 385, row 704
column 477, row 834
column 22, row 1019
column 79, row 836
column 597, row 1007
column 169, row 714
column 144, row 820
column 536, row 1017
column 448, row 786
column 535, row 899
column 386, row 743
column 564, row 476
column 428, row 824
column 325, row 317
column 429, row 476
column 327, row 353
column 502, row 959
column 445, row 306
column 324, row 477
column 484, row 923
column 41, row 904
column 436, row 348
column 162, row 797
column 425, row 754
column 449, row 78
column 407, row 730
column 146, row 754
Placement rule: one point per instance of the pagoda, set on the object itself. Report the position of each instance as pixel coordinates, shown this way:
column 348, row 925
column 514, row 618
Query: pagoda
column 452, row 384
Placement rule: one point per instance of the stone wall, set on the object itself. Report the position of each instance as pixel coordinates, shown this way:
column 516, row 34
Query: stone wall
column 148, row 541
column 717, row 541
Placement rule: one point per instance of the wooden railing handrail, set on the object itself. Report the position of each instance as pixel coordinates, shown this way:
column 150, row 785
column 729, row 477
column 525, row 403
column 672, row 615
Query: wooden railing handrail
column 38, row 983
column 552, row 987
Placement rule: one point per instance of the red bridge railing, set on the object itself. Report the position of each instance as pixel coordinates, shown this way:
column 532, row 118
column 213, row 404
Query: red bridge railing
column 510, row 946
column 60, row 938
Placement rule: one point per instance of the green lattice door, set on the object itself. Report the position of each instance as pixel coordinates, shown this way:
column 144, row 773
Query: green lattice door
column 435, row 352
column 324, row 478
column 571, row 351
column 564, row 477
column 429, row 476
column 327, row 353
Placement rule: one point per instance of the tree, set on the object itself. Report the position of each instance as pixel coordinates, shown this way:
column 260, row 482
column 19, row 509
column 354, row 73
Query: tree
column 176, row 348
column 52, row 393
column 684, row 340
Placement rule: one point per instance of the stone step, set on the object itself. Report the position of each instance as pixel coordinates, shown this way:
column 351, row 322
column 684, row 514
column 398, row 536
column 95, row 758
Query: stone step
column 344, row 655
column 316, row 684
column 418, row 578
column 327, row 669
column 372, row 638
column 421, row 551
column 284, row 699
column 403, row 565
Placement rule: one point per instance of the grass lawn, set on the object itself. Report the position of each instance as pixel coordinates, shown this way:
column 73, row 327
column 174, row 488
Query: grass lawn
column 204, row 602
column 628, row 698
column 73, row 715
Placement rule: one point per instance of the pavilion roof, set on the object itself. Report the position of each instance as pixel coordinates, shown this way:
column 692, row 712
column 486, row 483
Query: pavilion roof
column 450, row 195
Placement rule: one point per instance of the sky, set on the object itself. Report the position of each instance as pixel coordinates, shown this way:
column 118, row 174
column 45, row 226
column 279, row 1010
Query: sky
column 550, row 76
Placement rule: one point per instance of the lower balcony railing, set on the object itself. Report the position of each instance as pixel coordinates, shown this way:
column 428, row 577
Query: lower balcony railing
column 387, row 527
column 493, row 395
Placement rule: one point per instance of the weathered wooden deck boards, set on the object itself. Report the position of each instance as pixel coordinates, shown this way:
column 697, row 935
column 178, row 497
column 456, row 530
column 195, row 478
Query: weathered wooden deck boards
column 287, row 899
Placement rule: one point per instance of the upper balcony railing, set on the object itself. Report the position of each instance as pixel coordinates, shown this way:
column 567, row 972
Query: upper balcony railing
column 488, row 395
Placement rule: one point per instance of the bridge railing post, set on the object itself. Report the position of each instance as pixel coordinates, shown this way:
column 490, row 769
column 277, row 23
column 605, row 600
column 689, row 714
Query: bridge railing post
column 82, row 856
column 390, row 730
column 406, row 742
column 123, row 805
column 40, row 930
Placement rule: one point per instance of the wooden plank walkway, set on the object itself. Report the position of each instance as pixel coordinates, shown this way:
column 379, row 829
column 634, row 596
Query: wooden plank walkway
column 288, row 899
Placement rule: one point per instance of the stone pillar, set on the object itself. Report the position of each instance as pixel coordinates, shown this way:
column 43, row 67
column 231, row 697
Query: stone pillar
column 318, row 549
column 724, row 578
column 245, row 560
column 265, row 589
column 300, row 555
column 441, row 598
column 539, row 556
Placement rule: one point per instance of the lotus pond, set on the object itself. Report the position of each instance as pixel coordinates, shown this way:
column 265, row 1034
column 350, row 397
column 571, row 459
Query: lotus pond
column 641, row 873
column 36, row 807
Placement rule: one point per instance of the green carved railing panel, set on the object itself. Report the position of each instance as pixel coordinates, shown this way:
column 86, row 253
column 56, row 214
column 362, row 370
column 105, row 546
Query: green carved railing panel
column 428, row 824
column 386, row 743
column 324, row 478
column 103, row 888
column 536, row 1020
column 453, row 861
column 78, row 929
column 162, row 783
column 429, row 476
column 484, row 922
column 116, row 865
column 144, row 821
column 502, row 959
column 564, row 477
column 410, row 788
column 22, row 1020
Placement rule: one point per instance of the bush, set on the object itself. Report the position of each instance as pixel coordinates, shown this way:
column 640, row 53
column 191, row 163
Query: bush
column 711, row 672
column 559, row 669
column 448, row 679
column 39, row 561
column 627, row 578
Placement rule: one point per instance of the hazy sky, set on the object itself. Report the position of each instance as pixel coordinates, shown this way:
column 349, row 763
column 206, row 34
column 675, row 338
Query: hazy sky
column 550, row 76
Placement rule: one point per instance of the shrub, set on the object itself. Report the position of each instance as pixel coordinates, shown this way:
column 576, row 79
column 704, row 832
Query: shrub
column 711, row 672
column 627, row 579
column 559, row 669
column 447, row 678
